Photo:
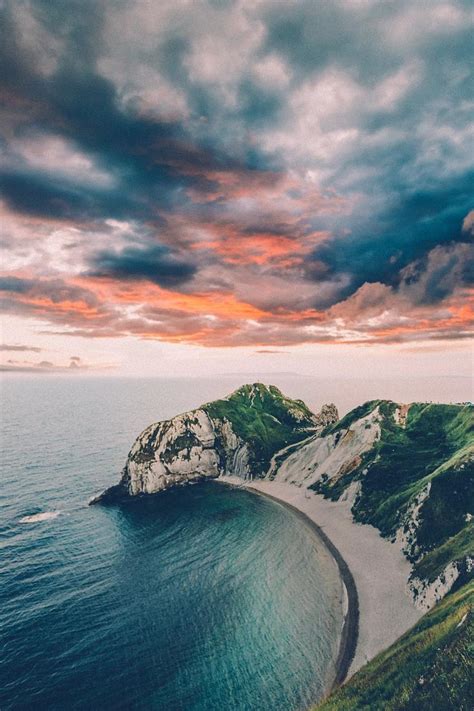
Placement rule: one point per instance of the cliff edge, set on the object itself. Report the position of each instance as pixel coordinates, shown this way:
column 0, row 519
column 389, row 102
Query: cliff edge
column 238, row 435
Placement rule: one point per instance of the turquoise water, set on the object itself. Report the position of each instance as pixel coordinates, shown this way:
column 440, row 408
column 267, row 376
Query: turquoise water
column 202, row 598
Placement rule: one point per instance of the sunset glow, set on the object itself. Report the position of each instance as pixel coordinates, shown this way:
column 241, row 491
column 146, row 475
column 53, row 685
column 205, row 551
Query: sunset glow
column 223, row 176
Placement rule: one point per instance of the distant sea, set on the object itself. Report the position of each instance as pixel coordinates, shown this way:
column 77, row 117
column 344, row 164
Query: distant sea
column 204, row 598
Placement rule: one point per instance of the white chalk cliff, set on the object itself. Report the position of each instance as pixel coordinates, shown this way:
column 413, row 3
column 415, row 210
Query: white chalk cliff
column 406, row 469
column 238, row 436
column 190, row 447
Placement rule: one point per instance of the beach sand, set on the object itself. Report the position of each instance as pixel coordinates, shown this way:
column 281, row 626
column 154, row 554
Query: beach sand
column 377, row 567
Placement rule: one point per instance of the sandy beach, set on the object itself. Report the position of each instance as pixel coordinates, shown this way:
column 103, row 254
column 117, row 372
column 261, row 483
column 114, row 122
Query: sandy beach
column 378, row 568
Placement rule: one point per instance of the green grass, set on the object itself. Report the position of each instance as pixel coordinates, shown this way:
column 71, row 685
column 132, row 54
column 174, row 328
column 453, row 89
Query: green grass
column 457, row 547
column 443, row 514
column 264, row 418
column 433, row 446
column 406, row 459
column 430, row 668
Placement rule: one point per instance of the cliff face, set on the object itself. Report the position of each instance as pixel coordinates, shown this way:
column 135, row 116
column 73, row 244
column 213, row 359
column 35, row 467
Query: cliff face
column 238, row 435
column 190, row 447
column 409, row 471
column 406, row 469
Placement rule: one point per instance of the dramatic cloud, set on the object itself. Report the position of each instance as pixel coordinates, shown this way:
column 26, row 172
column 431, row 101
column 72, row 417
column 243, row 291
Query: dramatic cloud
column 238, row 173
column 154, row 263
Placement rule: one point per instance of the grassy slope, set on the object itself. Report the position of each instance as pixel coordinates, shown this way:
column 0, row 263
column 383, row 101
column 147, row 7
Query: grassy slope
column 437, row 445
column 457, row 547
column 264, row 418
column 429, row 668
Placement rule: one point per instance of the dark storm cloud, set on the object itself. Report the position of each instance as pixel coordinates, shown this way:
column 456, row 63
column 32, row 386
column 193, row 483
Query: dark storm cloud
column 341, row 126
column 154, row 263
column 41, row 195
column 15, row 285
column 152, row 161
column 435, row 276
column 407, row 230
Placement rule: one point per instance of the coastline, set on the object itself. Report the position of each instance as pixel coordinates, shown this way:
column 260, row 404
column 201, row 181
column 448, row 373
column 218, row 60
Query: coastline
column 350, row 627
column 374, row 573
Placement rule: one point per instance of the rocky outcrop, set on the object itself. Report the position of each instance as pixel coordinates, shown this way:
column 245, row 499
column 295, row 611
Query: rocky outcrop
column 406, row 469
column 188, row 448
column 174, row 452
column 409, row 471
column 426, row 593
column 332, row 455
column 236, row 436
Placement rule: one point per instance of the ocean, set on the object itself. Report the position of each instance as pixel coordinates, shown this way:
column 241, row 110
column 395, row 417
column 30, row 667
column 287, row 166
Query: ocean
column 204, row 598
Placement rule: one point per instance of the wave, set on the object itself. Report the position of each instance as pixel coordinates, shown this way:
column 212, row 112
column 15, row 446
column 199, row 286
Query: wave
column 37, row 518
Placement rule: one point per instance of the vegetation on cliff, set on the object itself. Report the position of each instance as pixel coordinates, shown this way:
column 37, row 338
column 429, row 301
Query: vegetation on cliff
column 430, row 667
column 265, row 419
column 410, row 471
column 418, row 476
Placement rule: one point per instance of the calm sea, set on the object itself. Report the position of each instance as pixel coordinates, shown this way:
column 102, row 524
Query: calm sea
column 204, row 598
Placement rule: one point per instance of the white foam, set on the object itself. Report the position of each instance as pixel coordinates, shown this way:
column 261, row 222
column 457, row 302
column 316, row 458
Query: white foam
column 36, row 518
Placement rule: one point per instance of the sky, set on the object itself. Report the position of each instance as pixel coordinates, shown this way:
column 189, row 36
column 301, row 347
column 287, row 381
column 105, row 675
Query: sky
column 227, row 186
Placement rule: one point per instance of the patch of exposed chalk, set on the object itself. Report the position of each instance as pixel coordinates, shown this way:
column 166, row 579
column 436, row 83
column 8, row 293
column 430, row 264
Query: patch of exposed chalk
column 400, row 415
column 406, row 536
column 330, row 454
column 350, row 494
column 426, row 595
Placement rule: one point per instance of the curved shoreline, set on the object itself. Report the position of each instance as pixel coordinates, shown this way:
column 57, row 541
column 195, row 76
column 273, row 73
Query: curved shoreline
column 350, row 628
column 378, row 568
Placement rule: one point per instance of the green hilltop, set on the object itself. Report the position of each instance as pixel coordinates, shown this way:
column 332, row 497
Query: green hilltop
column 264, row 418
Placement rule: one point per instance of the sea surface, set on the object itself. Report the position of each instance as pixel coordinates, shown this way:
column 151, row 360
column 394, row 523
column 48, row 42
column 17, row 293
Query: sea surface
column 204, row 598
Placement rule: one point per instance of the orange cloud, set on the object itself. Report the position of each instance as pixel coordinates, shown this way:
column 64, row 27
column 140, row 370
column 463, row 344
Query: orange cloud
column 256, row 249
column 107, row 308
